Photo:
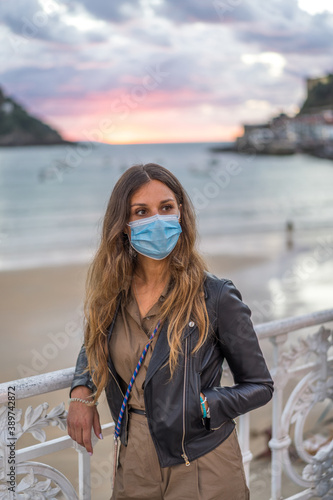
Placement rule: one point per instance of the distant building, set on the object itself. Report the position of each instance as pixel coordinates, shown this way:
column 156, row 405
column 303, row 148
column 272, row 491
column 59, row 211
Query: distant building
column 276, row 137
column 311, row 130
column 314, row 129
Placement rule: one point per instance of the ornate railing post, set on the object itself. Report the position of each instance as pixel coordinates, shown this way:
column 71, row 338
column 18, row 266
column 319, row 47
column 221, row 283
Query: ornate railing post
column 244, row 440
column 84, row 469
column 278, row 440
column 314, row 386
column 84, row 476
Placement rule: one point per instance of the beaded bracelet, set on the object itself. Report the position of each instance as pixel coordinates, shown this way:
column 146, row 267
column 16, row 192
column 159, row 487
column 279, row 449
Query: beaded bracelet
column 89, row 403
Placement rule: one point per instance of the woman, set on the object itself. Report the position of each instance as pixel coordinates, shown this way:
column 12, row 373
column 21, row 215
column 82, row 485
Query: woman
column 178, row 434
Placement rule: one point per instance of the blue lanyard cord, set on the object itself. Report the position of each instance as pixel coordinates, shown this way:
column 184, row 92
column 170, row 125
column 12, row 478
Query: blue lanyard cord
column 130, row 385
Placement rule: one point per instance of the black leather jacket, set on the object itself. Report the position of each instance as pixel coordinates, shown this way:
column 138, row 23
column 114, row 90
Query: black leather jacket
column 173, row 407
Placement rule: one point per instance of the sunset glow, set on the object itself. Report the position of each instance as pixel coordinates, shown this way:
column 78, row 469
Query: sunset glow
column 158, row 71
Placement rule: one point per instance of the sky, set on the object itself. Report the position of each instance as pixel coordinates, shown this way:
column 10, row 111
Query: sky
column 162, row 70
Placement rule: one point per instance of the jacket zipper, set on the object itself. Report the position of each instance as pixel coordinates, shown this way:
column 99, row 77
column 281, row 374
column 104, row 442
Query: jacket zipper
column 184, row 456
column 116, row 381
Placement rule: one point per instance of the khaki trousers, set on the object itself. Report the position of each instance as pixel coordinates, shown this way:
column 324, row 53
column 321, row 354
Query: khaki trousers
column 218, row 475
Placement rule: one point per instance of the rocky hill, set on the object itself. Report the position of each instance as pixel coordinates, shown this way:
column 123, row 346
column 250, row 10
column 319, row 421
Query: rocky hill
column 19, row 128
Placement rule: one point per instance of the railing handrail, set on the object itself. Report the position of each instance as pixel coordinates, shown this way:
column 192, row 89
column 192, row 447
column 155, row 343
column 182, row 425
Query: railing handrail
column 61, row 379
column 293, row 323
column 38, row 384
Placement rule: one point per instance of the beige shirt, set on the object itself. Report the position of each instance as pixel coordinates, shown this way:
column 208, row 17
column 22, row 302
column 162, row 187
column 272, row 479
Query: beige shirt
column 128, row 339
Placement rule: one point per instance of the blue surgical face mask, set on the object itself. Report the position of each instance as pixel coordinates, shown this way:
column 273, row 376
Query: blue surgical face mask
column 155, row 236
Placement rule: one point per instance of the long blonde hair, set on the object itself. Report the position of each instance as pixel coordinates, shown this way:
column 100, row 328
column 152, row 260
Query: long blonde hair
column 110, row 274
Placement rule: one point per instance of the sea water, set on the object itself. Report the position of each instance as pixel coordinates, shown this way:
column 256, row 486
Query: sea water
column 52, row 199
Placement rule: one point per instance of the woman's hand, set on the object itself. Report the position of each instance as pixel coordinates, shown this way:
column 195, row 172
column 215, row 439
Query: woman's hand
column 81, row 418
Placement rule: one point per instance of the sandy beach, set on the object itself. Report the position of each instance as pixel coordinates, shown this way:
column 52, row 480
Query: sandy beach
column 41, row 311
column 43, row 308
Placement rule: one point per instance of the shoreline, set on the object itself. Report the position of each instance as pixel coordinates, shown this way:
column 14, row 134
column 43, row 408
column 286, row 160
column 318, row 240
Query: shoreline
column 39, row 305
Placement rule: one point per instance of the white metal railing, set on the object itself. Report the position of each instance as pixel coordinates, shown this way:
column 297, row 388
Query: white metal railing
column 307, row 363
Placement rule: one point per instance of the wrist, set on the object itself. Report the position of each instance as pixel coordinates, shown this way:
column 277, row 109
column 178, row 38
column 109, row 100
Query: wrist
column 81, row 391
